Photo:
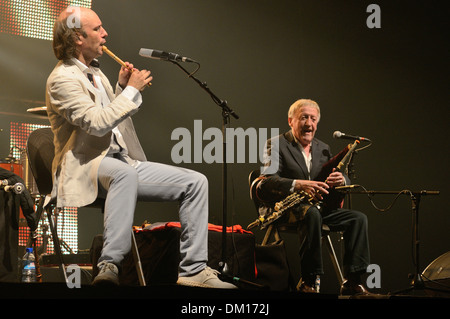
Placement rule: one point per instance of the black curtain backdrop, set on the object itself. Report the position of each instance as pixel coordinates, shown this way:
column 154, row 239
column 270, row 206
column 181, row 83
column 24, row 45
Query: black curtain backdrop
column 388, row 84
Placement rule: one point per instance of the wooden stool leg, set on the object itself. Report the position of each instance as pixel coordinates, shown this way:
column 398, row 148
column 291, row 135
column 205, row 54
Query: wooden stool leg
column 337, row 268
column 137, row 260
column 56, row 243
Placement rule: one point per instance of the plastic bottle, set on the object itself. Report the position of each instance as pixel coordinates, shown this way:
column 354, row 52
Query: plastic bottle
column 317, row 284
column 28, row 266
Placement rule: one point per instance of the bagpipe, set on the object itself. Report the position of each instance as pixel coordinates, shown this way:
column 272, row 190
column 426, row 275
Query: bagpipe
column 279, row 205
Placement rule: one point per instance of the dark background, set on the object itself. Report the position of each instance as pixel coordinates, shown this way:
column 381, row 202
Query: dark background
column 388, row 84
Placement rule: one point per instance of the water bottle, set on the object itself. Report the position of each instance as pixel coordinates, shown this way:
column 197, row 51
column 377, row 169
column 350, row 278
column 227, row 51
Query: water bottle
column 28, row 266
column 317, row 284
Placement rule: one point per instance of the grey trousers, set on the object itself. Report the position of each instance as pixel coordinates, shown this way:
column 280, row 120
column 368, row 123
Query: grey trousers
column 122, row 186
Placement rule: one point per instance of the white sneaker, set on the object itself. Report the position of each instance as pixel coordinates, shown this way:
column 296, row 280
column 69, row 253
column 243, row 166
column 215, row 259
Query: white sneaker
column 207, row 278
column 108, row 275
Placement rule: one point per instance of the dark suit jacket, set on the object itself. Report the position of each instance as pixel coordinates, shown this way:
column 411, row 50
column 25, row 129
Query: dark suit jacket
column 291, row 164
column 25, row 199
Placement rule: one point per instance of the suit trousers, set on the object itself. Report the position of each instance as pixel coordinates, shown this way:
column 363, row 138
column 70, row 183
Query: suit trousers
column 354, row 226
column 122, row 185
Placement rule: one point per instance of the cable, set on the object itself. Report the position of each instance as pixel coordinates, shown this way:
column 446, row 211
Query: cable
column 383, row 210
column 437, row 283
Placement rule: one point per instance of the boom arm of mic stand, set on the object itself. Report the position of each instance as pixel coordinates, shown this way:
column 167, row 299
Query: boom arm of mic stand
column 222, row 103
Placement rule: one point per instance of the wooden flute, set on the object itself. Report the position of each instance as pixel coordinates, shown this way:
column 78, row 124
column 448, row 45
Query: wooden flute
column 118, row 60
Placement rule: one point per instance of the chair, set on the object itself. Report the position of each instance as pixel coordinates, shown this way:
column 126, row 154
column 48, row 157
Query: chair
column 40, row 152
column 275, row 229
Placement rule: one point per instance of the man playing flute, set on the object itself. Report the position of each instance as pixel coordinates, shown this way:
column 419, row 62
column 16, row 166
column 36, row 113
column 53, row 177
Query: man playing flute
column 98, row 154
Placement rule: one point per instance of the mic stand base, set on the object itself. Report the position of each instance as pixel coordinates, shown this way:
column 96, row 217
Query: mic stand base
column 239, row 282
column 418, row 285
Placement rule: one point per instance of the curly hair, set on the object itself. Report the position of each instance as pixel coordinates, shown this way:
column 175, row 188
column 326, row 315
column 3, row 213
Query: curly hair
column 64, row 38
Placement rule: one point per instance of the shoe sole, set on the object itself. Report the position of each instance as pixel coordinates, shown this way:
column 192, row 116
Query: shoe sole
column 192, row 284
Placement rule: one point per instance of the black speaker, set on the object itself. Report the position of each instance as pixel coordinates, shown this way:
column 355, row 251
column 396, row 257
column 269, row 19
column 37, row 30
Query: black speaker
column 436, row 276
column 159, row 253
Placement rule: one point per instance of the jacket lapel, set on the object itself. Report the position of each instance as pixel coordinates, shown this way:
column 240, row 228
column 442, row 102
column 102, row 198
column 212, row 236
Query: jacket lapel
column 316, row 155
column 107, row 86
column 77, row 73
column 296, row 153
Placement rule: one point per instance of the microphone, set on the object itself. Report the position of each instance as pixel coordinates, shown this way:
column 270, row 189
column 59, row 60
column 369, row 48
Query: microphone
column 165, row 56
column 338, row 134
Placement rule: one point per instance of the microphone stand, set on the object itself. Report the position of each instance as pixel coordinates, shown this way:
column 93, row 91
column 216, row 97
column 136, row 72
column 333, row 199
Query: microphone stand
column 417, row 282
column 226, row 112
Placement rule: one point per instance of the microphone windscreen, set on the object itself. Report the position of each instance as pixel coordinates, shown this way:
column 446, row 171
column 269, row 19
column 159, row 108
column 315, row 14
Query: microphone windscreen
column 337, row 134
column 146, row 52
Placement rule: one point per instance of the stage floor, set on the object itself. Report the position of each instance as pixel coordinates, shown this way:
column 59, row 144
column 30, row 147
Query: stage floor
column 178, row 301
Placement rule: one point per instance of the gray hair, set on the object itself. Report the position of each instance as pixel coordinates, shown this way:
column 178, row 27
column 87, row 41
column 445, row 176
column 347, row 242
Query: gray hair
column 295, row 107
